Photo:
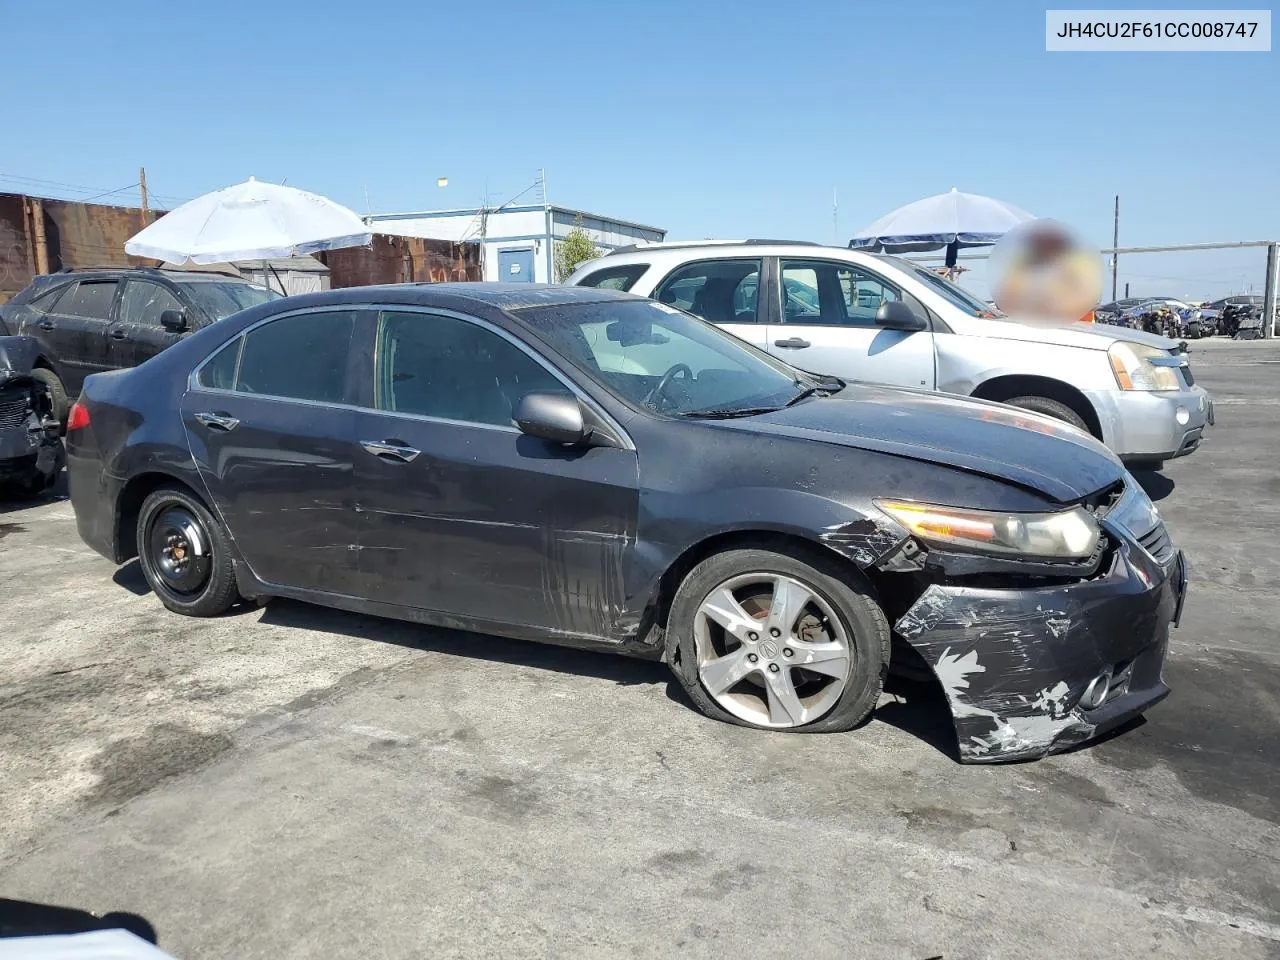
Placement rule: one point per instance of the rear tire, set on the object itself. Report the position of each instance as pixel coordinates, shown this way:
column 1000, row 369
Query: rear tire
column 185, row 554
column 57, row 393
column 822, row 671
column 1051, row 408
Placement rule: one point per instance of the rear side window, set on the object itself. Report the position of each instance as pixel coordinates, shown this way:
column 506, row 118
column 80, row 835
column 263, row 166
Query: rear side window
column 721, row 291
column 302, row 357
column 615, row 278
column 220, row 372
column 89, row 298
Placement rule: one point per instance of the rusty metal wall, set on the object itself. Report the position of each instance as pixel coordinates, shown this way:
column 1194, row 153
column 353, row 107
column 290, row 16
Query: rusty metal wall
column 402, row 260
column 17, row 262
column 76, row 235
column 94, row 234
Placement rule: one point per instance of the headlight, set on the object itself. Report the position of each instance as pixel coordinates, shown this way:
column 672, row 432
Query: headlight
column 1070, row 534
column 1134, row 370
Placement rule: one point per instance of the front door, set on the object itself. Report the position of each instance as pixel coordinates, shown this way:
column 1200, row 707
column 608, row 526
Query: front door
column 516, row 266
column 136, row 334
column 464, row 515
column 724, row 292
column 272, row 435
column 828, row 312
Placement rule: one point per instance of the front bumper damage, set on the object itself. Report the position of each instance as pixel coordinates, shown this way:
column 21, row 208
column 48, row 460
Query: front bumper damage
column 31, row 453
column 1015, row 663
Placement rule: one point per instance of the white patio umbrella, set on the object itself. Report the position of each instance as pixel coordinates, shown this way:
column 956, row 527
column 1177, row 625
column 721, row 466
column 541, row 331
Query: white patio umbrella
column 949, row 220
column 250, row 221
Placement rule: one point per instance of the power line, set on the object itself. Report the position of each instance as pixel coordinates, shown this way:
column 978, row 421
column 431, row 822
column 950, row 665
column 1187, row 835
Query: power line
column 107, row 193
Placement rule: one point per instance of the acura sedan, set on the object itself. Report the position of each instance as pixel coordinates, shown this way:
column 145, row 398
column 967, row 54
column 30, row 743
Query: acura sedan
column 587, row 467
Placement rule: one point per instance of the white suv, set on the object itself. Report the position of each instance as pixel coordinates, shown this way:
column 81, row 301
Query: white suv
column 881, row 319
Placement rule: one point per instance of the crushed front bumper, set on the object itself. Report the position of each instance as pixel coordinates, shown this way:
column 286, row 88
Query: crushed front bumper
column 1015, row 664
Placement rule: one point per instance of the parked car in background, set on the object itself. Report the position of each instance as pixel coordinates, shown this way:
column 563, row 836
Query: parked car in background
column 882, row 319
column 590, row 468
column 105, row 318
column 31, row 454
column 1110, row 312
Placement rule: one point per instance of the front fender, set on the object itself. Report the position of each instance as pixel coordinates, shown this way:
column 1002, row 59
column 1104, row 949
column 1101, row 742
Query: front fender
column 965, row 363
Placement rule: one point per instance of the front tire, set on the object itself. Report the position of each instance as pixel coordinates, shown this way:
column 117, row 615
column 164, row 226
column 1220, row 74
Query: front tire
column 57, row 393
column 1051, row 408
column 779, row 642
column 185, row 554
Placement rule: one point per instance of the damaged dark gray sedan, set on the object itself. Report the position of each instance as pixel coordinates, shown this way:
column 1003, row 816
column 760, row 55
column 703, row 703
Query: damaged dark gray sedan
column 590, row 468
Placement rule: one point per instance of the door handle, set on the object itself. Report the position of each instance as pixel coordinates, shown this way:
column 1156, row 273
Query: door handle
column 46, row 324
column 119, row 334
column 218, row 421
column 792, row 343
column 390, row 449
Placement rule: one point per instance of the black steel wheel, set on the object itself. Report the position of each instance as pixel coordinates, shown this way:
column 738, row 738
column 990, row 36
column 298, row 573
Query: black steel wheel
column 185, row 554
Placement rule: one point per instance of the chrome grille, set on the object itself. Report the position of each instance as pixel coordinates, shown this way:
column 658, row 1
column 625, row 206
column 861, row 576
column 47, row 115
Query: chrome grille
column 14, row 409
column 1158, row 543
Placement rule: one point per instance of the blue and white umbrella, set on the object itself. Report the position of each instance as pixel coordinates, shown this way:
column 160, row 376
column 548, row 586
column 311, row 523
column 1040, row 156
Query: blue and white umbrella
column 949, row 220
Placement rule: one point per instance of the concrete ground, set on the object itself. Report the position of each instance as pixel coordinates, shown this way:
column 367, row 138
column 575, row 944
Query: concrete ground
column 297, row 782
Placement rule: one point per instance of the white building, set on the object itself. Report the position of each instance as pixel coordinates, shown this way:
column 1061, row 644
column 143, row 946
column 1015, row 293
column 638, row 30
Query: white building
column 517, row 242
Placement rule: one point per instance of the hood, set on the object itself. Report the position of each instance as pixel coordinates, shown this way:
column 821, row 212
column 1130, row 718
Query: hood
column 17, row 355
column 1088, row 336
column 994, row 440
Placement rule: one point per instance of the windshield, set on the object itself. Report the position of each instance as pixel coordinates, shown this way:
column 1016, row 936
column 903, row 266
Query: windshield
column 955, row 295
column 221, row 298
column 654, row 356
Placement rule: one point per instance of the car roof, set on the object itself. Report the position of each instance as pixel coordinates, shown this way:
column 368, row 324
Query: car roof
column 502, row 296
column 150, row 273
column 684, row 251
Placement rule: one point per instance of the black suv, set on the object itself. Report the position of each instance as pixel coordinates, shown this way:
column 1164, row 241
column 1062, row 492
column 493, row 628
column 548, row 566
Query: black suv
column 88, row 320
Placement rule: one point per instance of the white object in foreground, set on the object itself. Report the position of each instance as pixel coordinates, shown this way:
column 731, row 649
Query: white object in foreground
column 98, row 945
column 250, row 221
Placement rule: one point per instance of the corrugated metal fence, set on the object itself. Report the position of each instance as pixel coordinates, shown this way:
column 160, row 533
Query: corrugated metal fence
column 402, row 260
column 41, row 236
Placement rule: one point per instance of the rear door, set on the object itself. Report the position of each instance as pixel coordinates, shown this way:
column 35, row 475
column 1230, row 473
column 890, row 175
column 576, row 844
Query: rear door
column 272, row 433
column 827, row 310
column 726, row 292
column 136, row 334
column 75, row 330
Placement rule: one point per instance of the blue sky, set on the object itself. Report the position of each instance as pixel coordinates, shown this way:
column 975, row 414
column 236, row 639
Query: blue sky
column 710, row 119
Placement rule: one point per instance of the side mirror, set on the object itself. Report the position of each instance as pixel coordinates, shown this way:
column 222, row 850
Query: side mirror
column 896, row 315
column 175, row 321
column 556, row 417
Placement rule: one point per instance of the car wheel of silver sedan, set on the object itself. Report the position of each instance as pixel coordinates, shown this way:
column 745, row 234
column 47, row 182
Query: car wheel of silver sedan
column 780, row 642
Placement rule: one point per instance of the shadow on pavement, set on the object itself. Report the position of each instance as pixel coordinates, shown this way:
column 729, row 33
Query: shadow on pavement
column 1157, row 485
column 920, row 709
column 527, row 653
column 131, row 578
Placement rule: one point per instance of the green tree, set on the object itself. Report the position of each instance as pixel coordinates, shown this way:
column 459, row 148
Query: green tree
column 575, row 249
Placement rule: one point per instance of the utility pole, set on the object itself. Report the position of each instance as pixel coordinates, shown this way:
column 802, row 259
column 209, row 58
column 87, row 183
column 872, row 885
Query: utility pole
column 37, row 228
column 142, row 184
column 1115, row 245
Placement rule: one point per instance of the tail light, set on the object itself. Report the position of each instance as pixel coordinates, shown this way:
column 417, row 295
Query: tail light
column 78, row 417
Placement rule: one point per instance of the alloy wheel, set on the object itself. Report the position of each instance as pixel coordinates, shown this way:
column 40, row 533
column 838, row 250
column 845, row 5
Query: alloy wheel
column 771, row 650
